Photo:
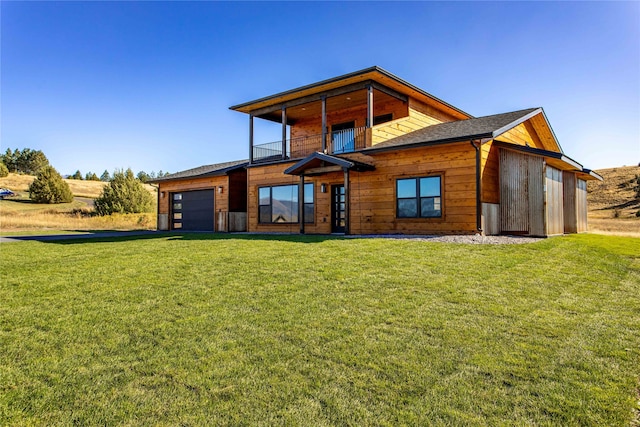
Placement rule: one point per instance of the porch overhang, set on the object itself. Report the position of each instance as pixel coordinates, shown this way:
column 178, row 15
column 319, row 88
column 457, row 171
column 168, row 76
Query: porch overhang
column 319, row 163
column 588, row 174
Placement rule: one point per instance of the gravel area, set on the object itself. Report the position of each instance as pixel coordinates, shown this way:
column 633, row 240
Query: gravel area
column 468, row 239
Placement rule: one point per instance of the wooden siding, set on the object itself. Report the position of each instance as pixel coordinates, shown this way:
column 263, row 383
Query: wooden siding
column 490, row 173
column 313, row 126
column 534, row 132
column 420, row 116
column 238, row 190
column 267, row 175
column 581, row 205
column 373, row 193
column 569, row 200
column 523, row 134
column 232, row 198
column 522, row 207
column 554, row 201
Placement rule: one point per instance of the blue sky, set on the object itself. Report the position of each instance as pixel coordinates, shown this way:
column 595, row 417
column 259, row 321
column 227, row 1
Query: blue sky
column 147, row 85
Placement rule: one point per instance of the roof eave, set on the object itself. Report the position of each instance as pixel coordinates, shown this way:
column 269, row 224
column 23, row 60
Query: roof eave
column 375, row 68
column 496, row 133
column 220, row 172
column 465, row 138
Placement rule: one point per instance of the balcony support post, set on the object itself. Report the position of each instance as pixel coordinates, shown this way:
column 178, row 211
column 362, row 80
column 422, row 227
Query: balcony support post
column 369, row 106
column 324, row 124
column 250, row 138
column 301, row 203
column 347, row 208
column 284, row 132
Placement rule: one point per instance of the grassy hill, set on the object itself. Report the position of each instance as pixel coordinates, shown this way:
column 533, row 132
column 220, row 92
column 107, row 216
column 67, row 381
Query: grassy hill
column 18, row 214
column 613, row 203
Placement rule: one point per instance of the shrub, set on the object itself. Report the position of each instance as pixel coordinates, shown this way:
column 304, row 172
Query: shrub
column 3, row 170
column 124, row 194
column 49, row 187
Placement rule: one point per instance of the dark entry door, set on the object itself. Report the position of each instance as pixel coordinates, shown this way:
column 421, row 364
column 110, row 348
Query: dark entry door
column 338, row 212
column 193, row 210
column 343, row 137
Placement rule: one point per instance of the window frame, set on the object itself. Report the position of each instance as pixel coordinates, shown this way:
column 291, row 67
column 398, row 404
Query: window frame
column 418, row 199
column 269, row 206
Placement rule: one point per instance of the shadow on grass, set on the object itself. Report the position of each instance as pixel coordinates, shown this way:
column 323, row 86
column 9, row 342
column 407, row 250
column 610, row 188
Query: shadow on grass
column 102, row 236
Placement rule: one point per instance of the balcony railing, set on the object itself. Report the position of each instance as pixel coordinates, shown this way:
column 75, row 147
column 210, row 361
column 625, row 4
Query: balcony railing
column 338, row 142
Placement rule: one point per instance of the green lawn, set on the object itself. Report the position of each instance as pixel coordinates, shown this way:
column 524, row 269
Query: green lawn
column 198, row 329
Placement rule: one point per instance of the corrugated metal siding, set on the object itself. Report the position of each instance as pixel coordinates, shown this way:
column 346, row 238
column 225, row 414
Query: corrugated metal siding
column 522, row 196
column 491, row 219
column 514, row 197
column 537, row 223
column 569, row 200
column 581, row 205
column 554, row 201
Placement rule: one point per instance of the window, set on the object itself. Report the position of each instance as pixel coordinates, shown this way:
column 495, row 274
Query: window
column 383, row 118
column 419, row 197
column 279, row 204
column 177, row 196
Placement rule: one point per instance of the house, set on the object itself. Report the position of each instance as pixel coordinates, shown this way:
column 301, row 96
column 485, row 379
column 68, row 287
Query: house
column 207, row 198
column 369, row 153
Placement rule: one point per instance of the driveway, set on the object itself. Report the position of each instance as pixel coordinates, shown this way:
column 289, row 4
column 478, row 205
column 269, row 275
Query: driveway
column 54, row 237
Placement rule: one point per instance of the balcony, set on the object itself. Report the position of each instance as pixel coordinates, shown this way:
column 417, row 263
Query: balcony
column 338, row 142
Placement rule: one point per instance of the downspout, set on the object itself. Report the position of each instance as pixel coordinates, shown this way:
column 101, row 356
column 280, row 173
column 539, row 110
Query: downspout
column 478, row 187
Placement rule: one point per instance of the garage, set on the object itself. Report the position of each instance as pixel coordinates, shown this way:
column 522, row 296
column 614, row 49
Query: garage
column 193, row 210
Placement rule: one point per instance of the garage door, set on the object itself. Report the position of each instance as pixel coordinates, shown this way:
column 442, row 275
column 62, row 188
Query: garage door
column 193, row 210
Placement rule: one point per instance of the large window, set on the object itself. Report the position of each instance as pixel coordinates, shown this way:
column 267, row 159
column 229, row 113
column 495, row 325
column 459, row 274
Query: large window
column 419, row 197
column 279, row 204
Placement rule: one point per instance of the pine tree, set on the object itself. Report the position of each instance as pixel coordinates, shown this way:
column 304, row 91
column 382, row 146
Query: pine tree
column 3, row 170
column 124, row 194
column 49, row 187
column 105, row 176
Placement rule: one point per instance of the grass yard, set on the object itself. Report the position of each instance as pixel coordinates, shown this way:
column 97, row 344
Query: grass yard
column 201, row 329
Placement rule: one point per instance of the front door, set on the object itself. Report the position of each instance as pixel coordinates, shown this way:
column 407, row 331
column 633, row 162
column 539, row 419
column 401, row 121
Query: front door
column 343, row 139
column 338, row 211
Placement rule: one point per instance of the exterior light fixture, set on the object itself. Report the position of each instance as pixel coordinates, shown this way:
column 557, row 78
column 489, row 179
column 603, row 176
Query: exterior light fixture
column 220, row 189
column 323, row 188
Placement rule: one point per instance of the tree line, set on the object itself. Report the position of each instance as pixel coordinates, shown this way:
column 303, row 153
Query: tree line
column 30, row 162
column 106, row 177
column 25, row 161
column 124, row 193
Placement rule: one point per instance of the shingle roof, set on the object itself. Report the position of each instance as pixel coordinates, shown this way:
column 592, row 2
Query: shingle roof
column 204, row 171
column 461, row 130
